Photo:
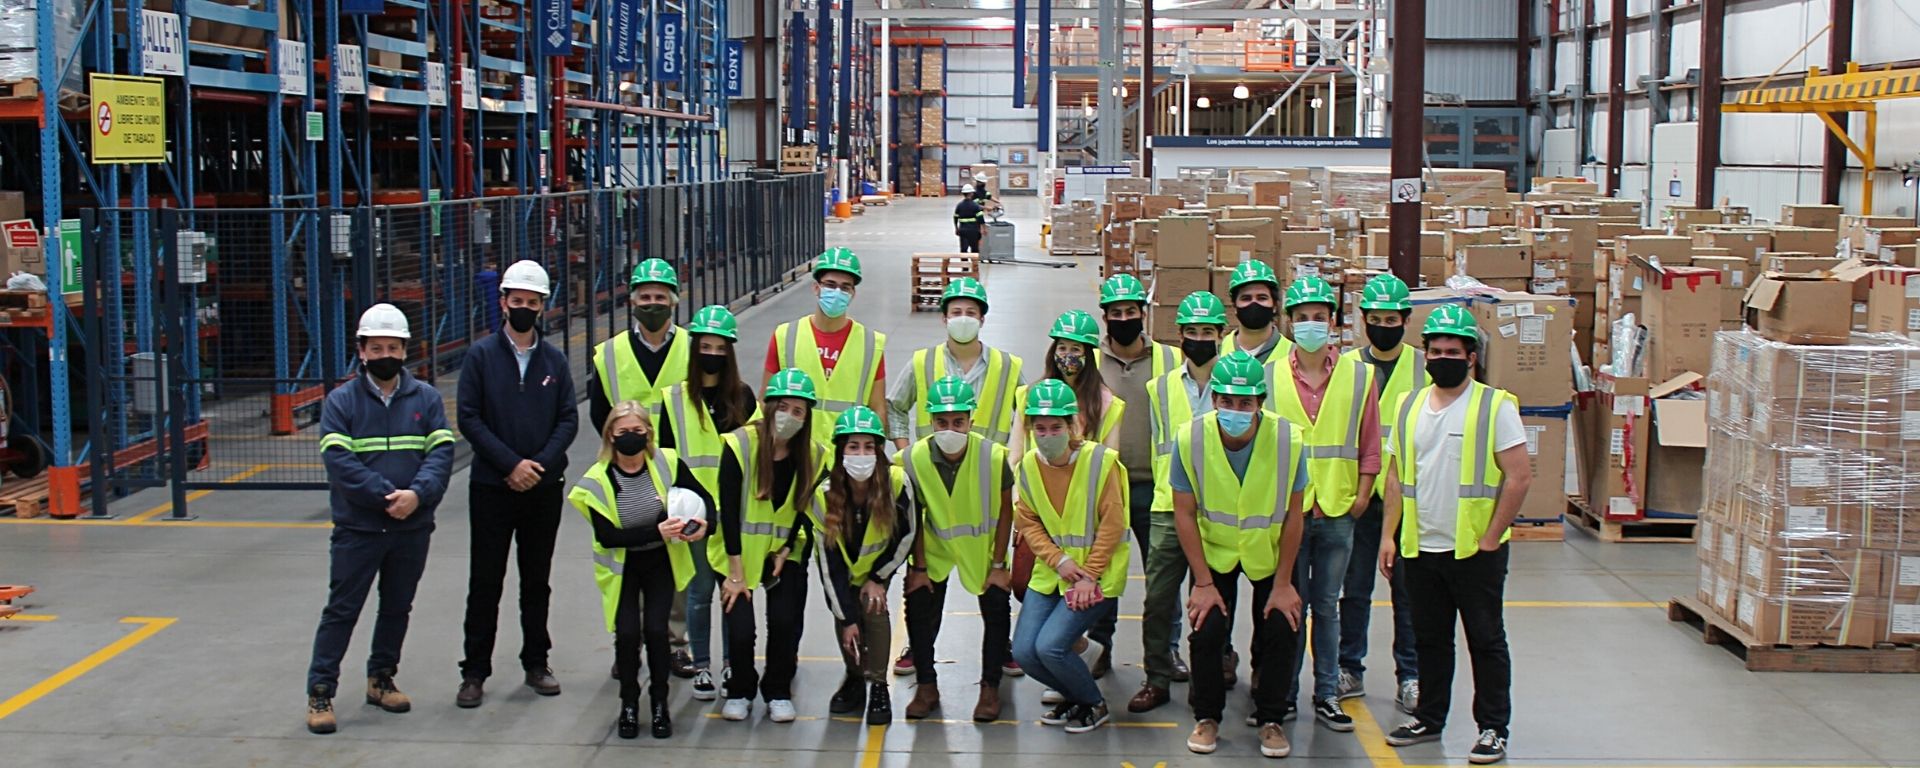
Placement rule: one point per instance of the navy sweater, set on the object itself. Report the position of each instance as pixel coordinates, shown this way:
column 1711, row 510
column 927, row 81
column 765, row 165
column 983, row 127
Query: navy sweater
column 508, row 417
column 373, row 448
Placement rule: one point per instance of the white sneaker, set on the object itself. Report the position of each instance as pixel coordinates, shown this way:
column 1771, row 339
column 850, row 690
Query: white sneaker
column 781, row 711
column 1092, row 654
column 703, row 689
column 1051, row 697
column 1409, row 697
column 736, row 709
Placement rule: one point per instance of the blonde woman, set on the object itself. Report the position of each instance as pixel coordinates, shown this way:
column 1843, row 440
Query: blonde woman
column 641, row 533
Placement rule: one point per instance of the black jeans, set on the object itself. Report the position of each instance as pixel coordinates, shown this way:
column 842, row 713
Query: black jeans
column 1273, row 638
column 1473, row 589
column 970, row 244
column 398, row 559
column 646, row 600
column 786, row 612
column 926, row 607
column 500, row 518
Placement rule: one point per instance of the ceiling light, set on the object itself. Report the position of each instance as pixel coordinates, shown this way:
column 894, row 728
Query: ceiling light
column 1123, row 91
column 1173, row 109
column 1087, row 110
column 1315, row 103
column 993, row 4
column 1202, row 103
column 1241, row 92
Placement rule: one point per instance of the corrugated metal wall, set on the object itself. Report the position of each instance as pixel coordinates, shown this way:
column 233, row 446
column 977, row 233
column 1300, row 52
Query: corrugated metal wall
column 1473, row 71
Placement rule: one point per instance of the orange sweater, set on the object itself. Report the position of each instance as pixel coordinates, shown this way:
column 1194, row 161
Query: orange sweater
column 1112, row 526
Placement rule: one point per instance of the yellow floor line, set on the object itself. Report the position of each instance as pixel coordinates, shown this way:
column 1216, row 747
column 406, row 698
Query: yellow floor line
column 168, row 524
column 1372, row 739
column 33, row 617
column 149, row 628
column 199, row 494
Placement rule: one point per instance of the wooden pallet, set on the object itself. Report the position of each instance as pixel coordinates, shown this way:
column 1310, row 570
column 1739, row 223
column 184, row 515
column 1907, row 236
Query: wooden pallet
column 1651, row 530
column 28, row 498
column 933, row 271
column 1539, row 530
column 1762, row 657
column 1057, row 251
column 22, row 90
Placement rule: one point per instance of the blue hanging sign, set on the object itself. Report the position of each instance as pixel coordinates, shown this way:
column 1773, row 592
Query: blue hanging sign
column 368, row 7
column 668, row 66
column 736, row 64
column 555, row 27
column 626, row 37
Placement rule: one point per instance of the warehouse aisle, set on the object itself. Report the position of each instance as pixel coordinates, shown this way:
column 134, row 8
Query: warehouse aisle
column 187, row 643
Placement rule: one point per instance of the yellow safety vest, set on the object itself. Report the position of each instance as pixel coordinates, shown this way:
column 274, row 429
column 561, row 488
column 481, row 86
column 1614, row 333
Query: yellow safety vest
column 960, row 523
column 1230, row 343
column 872, row 545
column 852, row 381
column 1406, row 378
column 1165, row 358
column 1333, row 441
column 593, row 495
column 1480, row 475
column 1074, row 524
column 765, row 524
column 1172, row 409
column 995, row 402
column 1241, row 520
column 621, row 377
column 694, row 435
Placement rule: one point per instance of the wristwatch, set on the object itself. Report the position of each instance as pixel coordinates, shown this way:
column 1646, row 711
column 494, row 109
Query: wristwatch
column 1000, row 567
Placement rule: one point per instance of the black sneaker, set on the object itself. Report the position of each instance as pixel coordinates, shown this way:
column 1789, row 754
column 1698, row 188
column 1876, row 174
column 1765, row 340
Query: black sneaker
column 850, row 698
column 1412, row 733
column 879, row 705
column 1332, row 715
column 1086, row 718
column 1489, row 748
column 1058, row 715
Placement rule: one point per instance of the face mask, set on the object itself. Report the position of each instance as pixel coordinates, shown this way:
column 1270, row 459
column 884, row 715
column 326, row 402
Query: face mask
column 1234, row 423
column 1311, row 335
column 520, row 319
column 1052, row 447
column 1070, row 363
column 1447, row 372
column 963, row 329
column 1200, row 351
column 1383, row 337
column 1125, row 332
column 859, row 467
column 630, row 443
column 833, row 302
column 949, row 441
column 1254, row 316
column 383, row 368
column 711, row 363
column 653, row 317
column 786, row 425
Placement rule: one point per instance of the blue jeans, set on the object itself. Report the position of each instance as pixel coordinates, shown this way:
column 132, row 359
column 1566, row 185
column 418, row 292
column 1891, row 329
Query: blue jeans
column 1356, row 603
column 700, row 608
column 1043, row 645
column 1319, row 573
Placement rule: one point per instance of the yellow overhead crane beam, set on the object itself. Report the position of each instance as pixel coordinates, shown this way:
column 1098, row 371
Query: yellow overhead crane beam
column 1825, row 95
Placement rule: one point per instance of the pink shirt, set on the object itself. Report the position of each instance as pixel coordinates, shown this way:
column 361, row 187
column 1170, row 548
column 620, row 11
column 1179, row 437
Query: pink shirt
column 1311, row 396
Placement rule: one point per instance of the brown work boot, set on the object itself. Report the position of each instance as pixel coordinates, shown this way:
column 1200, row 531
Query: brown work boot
column 988, row 708
column 1150, row 698
column 472, row 692
column 320, row 715
column 1273, row 741
column 382, row 694
column 542, row 682
column 926, row 699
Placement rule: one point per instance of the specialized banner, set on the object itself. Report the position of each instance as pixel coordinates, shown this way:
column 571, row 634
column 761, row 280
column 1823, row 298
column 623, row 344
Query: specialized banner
column 625, row 48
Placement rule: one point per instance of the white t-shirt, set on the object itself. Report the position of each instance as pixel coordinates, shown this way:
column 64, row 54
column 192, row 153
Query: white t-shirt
column 1437, row 439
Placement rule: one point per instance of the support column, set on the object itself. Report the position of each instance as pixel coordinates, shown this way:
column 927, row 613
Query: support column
column 1833, row 157
column 1713, row 23
column 1146, row 89
column 885, row 97
column 1409, row 46
column 1111, row 108
column 1044, row 123
column 1616, row 93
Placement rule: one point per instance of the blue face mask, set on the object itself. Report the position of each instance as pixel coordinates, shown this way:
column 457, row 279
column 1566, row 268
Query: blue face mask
column 1234, row 423
column 834, row 301
column 1310, row 336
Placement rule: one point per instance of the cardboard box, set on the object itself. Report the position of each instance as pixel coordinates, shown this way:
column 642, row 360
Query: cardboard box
column 1814, row 216
column 1733, row 284
column 1435, row 269
column 1853, row 227
column 1224, row 199
column 1233, row 250
column 1547, row 454
column 1799, row 309
column 1493, row 262
column 1682, row 314
column 1806, row 239
column 1677, row 453
column 1902, row 573
column 1276, row 193
column 1798, row 264
column 1744, row 243
column 1183, row 242
column 1877, row 238
column 1618, row 414
column 1901, row 255
column 1161, row 326
column 1665, row 251
column 13, row 205
column 1550, row 243
column 1893, row 302
column 1155, row 206
column 21, row 249
column 1170, row 285
column 1528, row 350
column 1317, row 242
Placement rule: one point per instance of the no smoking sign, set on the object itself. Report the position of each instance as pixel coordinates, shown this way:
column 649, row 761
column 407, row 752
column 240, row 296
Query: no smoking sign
column 1406, row 190
column 106, row 119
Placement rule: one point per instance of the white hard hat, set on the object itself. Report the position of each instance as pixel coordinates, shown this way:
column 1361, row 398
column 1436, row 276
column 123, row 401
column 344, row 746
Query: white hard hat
column 525, row 275
column 966, row 189
column 384, row 320
column 980, row 177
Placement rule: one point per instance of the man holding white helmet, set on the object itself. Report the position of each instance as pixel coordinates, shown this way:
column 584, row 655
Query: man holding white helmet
column 388, row 452
column 517, row 409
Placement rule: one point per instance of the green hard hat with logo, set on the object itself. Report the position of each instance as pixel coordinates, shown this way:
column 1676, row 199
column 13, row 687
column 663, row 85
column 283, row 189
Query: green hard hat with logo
column 951, row 394
column 1122, row 288
column 1310, row 289
column 1239, row 374
column 1076, row 325
column 858, row 420
column 1051, row 397
column 1451, row 320
column 1201, row 308
column 655, row 271
column 837, row 260
column 1252, row 272
column 1385, row 292
column 715, row 320
column 791, row 382
column 964, row 288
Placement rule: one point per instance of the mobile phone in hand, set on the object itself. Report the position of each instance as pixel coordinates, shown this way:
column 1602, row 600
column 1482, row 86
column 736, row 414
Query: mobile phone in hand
column 691, row 528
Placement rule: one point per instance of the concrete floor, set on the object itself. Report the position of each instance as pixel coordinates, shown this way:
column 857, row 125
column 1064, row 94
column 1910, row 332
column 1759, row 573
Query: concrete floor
column 213, row 675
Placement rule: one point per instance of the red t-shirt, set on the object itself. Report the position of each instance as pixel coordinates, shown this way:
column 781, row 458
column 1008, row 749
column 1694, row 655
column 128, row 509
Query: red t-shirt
column 830, row 344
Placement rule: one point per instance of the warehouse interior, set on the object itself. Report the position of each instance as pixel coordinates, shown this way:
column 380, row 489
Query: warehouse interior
column 1637, row 201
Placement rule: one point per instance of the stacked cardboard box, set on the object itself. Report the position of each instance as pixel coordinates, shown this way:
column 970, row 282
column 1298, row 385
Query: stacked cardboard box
column 1183, row 263
column 1076, row 228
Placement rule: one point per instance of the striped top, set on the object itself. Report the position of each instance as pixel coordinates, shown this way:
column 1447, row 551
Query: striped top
column 639, row 505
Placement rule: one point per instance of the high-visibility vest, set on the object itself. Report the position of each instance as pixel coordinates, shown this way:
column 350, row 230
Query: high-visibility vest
column 694, row 435
column 852, row 381
column 1241, row 520
column 995, row 401
column 872, row 545
column 961, row 522
column 1409, row 375
column 765, row 524
column 1074, row 524
column 1172, row 409
column 1165, row 358
column 1109, row 417
column 622, row 378
column 593, row 495
column 1282, row 347
column 1480, row 475
column 1333, row 440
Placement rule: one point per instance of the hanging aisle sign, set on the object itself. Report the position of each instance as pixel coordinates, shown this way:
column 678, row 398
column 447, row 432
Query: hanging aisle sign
column 469, row 89
column 436, row 84
column 161, row 47
column 292, row 66
column 349, row 67
column 735, row 72
column 625, row 51
column 555, row 19
column 667, row 41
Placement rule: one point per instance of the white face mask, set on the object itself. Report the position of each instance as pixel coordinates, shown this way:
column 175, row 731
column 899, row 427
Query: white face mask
column 786, row 425
column 1052, row 447
column 859, row 467
column 963, row 329
column 949, row 441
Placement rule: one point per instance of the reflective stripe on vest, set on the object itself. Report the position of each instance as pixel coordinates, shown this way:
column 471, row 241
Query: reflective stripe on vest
column 636, row 385
column 1399, row 384
column 1076, row 541
column 827, row 383
column 873, row 541
column 1480, row 479
column 1170, row 410
column 993, row 411
column 1333, row 473
column 961, row 519
column 764, row 523
column 1196, row 458
column 594, row 495
column 426, row 442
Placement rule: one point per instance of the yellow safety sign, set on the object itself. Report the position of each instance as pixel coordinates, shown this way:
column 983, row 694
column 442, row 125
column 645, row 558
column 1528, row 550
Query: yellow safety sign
column 129, row 119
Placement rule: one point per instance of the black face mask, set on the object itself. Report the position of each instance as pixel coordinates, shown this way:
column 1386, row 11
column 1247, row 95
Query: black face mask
column 1125, row 332
column 653, row 317
column 1200, row 351
column 1448, row 372
column 629, row 443
column 383, row 368
column 1254, row 316
column 711, row 363
column 1384, row 337
column 520, row 319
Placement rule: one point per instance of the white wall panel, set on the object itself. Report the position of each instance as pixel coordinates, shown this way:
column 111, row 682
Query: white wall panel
column 1886, row 30
column 1475, row 72
column 1566, row 66
column 1634, row 139
column 1675, row 155
column 1557, row 153
column 1769, row 139
column 1760, row 36
column 1685, row 46
column 1764, row 190
column 1597, row 130
column 1889, row 197
column 1639, row 58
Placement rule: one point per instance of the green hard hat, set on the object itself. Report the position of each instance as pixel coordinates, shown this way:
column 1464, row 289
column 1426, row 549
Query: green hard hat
column 837, row 260
column 655, row 271
column 791, row 382
column 1076, row 325
column 1051, row 397
column 715, row 320
column 964, row 288
column 858, row 420
column 1122, row 288
column 1239, row 374
column 1451, row 320
column 1385, row 292
column 1201, row 308
column 1252, row 272
column 1310, row 290
column 951, row 394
